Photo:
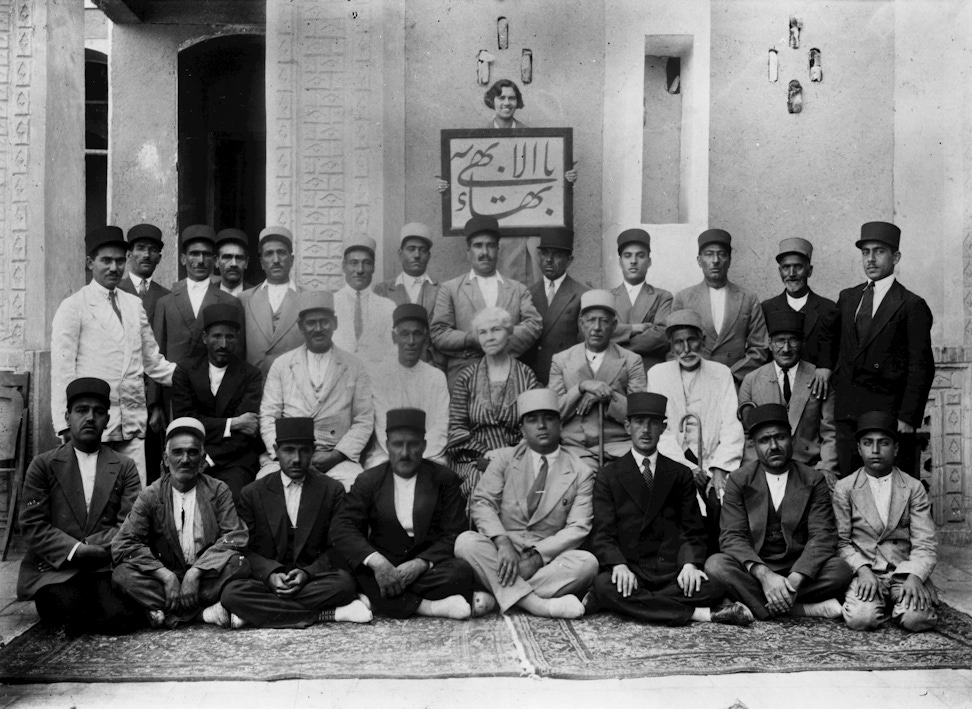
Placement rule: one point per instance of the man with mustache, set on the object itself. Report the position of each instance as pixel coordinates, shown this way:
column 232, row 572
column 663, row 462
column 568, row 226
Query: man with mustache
column 103, row 331
column 399, row 526
column 735, row 331
column 75, row 498
column 364, row 316
column 321, row 381
column 183, row 541
column 461, row 298
column 408, row 382
column 779, row 535
column 231, row 261
column 641, row 307
column 596, row 373
column 223, row 391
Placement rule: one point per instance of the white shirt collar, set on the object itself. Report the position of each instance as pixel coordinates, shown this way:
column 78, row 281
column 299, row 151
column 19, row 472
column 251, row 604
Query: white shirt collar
column 137, row 281
column 791, row 373
column 640, row 460
column 100, row 289
column 289, row 284
column 883, row 286
column 400, row 281
column 797, row 303
column 496, row 274
column 288, row 481
column 557, row 282
column 633, row 291
column 551, row 458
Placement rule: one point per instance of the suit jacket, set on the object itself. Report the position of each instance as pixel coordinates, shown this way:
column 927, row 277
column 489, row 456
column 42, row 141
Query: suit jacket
column 559, row 330
column 179, row 332
column 376, row 343
column 238, row 393
column 893, row 368
column 153, row 391
column 621, row 370
column 343, row 411
column 743, row 343
column 368, row 523
column 53, row 517
column 654, row 535
column 456, row 305
column 560, row 523
column 905, row 545
column 263, row 509
column 809, row 527
column 811, row 420
column 397, row 294
column 652, row 306
column 818, row 316
column 264, row 343
column 148, row 539
column 87, row 340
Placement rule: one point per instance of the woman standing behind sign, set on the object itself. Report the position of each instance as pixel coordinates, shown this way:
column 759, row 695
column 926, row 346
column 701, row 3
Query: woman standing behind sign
column 517, row 258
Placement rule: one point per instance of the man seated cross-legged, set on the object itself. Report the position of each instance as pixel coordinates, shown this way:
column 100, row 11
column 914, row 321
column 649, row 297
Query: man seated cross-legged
column 886, row 533
column 649, row 536
column 182, row 542
column 399, row 527
column 533, row 510
column 293, row 582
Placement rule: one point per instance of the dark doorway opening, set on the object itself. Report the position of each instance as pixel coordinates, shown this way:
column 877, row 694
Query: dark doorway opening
column 223, row 138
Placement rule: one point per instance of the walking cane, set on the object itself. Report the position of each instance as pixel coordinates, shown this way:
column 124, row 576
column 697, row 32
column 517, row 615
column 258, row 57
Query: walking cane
column 600, row 435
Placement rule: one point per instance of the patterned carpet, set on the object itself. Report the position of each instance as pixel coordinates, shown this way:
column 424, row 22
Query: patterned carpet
column 603, row 646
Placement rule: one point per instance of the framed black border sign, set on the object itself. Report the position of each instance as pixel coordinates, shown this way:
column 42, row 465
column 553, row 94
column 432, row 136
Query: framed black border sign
column 515, row 175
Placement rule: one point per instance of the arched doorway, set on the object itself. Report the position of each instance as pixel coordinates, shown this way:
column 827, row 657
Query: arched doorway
column 223, row 137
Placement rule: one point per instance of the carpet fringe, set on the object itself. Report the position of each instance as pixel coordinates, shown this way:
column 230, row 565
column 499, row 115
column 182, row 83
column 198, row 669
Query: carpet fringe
column 529, row 669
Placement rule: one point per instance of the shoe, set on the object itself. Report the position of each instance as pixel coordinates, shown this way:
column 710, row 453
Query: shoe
column 156, row 619
column 733, row 614
column 217, row 615
column 592, row 603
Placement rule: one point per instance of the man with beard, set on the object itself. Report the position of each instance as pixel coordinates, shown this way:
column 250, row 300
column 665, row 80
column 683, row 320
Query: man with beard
column 223, row 391
column 232, row 260
column 461, row 298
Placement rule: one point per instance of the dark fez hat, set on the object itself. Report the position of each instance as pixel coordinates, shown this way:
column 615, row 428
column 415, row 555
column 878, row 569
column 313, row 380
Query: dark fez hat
column 145, row 231
column 197, row 232
column 795, row 245
column 765, row 415
column 277, row 233
column 89, row 386
column 877, row 421
column 234, row 236
column 884, row 232
column 295, row 429
column 221, row 313
column 788, row 320
column 556, row 237
column 715, row 236
column 634, row 236
column 481, row 225
column 646, row 403
column 405, row 418
column 104, row 236
column 314, row 300
column 410, row 311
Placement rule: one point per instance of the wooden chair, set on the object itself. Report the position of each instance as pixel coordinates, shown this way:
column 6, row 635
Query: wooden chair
column 14, row 425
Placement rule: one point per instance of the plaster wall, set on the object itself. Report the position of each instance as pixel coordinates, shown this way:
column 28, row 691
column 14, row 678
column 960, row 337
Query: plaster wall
column 442, row 40
column 818, row 174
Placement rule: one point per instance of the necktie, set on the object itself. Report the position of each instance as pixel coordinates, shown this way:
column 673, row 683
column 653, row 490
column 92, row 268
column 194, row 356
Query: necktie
column 648, row 476
column 113, row 299
column 143, row 289
column 358, row 318
column 550, row 292
column 536, row 492
column 787, row 393
column 863, row 319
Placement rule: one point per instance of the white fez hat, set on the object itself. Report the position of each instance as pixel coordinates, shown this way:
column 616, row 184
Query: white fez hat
column 185, row 424
column 537, row 400
column 598, row 299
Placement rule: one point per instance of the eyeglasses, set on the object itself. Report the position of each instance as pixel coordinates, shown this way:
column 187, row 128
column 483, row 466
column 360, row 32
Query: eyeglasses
column 781, row 342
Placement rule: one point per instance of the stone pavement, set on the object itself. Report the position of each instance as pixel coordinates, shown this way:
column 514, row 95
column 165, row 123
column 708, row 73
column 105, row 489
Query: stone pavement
column 887, row 690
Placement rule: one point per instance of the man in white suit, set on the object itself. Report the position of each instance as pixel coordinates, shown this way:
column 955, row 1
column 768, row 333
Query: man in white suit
column 596, row 373
column 533, row 508
column 102, row 331
column 365, row 317
column 733, row 324
column 886, row 533
column 325, row 383
column 460, row 299
column 271, row 307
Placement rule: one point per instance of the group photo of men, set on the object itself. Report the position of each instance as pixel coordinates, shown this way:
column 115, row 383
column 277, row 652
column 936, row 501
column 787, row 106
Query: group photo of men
column 274, row 456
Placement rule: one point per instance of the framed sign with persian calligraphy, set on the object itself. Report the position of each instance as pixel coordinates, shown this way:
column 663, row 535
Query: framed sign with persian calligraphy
column 515, row 175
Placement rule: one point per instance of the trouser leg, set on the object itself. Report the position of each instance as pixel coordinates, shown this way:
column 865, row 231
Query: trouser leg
column 664, row 605
column 147, row 591
column 907, row 457
column 738, row 583
column 87, row 603
column 831, row 582
column 481, row 554
column 864, row 615
column 914, row 620
column 211, row 584
column 848, row 459
column 133, row 448
column 252, row 601
column 452, row 577
column 572, row 571
column 236, row 479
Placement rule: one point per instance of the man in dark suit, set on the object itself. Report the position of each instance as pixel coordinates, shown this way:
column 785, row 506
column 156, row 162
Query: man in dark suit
column 882, row 340
column 178, row 318
column 795, row 266
column 75, row 498
column 144, row 253
column 733, row 324
column 557, row 298
column 779, row 534
column 223, row 391
column 641, row 308
column 649, row 537
column 293, row 582
column 231, row 261
column 399, row 527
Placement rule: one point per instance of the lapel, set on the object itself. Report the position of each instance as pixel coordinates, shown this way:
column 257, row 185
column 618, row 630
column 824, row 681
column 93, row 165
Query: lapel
column 794, row 501
column 426, row 295
column 385, row 501
column 622, row 304
column 539, row 295
column 310, row 505
column 577, row 362
column 630, row 478
column 899, row 499
column 338, row 374
column 703, row 306
column 288, row 315
column 757, row 498
column 302, row 380
column 275, row 508
column 559, row 478
column 864, row 502
column 260, row 306
column 889, row 306
column 729, row 318
column 504, row 295
column 810, row 313
column 68, row 475
column 470, row 289
column 168, row 518
column 800, row 394
column 105, row 474
column 181, row 299
column 520, row 475
column 663, row 483
column 643, row 303
column 104, row 314
column 199, row 378
column 770, row 387
column 613, row 361
column 232, row 380
column 424, row 505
